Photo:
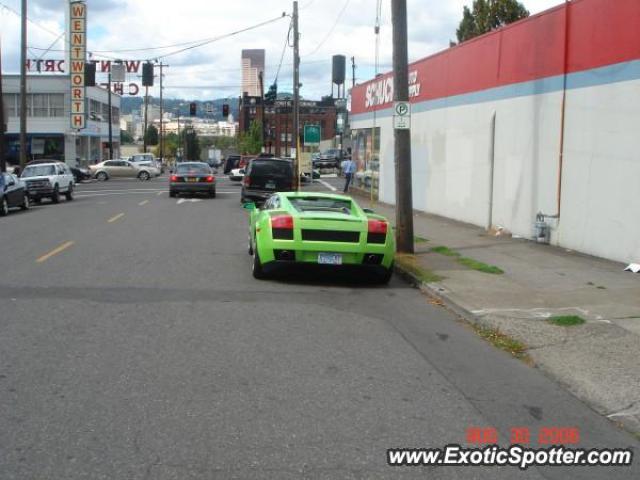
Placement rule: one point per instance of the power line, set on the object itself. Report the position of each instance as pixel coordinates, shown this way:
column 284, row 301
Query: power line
column 284, row 49
column 344, row 7
column 15, row 12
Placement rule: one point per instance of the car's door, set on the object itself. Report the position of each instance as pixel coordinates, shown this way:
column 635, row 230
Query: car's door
column 129, row 169
column 14, row 191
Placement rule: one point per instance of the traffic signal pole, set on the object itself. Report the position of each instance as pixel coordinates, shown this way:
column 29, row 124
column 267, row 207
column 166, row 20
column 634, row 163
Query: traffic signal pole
column 23, row 86
column 402, row 138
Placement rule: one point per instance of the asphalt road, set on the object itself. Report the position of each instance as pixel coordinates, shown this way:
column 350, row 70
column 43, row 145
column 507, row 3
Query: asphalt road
column 135, row 344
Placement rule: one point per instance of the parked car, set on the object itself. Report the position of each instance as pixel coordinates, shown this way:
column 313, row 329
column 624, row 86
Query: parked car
column 80, row 174
column 48, row 179
column 192, row 177
column 122, row 169
column 264, row 176
column 318, row 228
column 148, row 160
column 231, row 163
column 13, row 194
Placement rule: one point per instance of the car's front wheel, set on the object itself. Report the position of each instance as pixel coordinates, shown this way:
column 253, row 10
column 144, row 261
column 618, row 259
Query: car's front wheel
column 4, row 208
column 26, row 204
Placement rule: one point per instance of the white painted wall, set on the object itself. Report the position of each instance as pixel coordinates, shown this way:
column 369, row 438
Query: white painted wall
column 600, row 193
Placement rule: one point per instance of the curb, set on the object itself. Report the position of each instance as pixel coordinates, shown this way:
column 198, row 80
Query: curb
column 434, row 292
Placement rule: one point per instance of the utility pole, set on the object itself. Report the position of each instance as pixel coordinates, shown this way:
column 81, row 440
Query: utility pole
column 3, row 161
column 23, row 87
column 353, row 72
column 402, row 138
column 161, row 139
column 296, row 94
column 110, row 119
column 146, row 104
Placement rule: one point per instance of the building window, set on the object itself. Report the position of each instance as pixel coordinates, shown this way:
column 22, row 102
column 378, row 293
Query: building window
column 56, row 105
column 115, row 115
column 40, row 105
column 10, row 104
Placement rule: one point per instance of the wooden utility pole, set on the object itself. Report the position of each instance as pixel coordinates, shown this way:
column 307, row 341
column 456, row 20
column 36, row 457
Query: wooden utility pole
column 161, row 139
column 23, row 86
column 110, row 116
column 3, row 161
column 296, row 94
column 402, row 138
column 353, row 72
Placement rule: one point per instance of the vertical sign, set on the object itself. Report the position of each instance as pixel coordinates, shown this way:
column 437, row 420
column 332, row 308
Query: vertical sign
column 78, row 56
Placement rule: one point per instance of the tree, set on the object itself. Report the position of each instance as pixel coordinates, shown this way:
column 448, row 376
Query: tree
column 251, row 141
column 487, row 15
column 151, row 136
column 125, row 137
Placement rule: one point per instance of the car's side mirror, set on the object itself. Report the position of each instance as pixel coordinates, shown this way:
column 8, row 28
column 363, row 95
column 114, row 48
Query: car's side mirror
column 367, row 210
column 249, row 206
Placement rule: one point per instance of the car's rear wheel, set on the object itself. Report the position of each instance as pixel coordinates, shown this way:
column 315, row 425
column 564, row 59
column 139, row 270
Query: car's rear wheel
column 172, row 194
column 385, row 276
column 69, row 194
column 26, row 205
column 4, row 208
column 102, row 176
column 55, row 197
column 144, row 176
column 257, row 269
column 212, row 193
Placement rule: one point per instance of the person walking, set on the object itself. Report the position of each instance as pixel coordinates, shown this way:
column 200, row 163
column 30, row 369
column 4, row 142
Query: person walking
column 349, row 169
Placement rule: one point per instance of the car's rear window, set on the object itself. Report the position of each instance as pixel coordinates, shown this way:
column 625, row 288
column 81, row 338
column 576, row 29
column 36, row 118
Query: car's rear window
column 39, row 171
column 193, row 168
column 271, row 167
column 321, row 204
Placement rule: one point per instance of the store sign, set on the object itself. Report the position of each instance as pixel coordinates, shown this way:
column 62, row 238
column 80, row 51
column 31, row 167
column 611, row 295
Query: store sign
column 78, row 55
column 102, row 66
column 381, row 92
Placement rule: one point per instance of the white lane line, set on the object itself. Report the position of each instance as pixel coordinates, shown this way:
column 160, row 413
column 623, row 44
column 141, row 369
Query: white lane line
column 144, row 202
column 330, row 187
column 115, row 218
column 159, row 193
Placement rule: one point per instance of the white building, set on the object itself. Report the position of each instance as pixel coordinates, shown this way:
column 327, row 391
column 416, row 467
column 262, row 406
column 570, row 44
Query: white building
column 252, row 68
column 49, row 132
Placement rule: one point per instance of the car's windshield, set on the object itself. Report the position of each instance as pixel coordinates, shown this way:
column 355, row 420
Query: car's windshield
column 39, row 171
column 305, row 204
column 272, row 168
column 193, row 168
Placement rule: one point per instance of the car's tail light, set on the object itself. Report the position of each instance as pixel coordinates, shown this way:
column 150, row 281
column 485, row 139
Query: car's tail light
column 210, row 179
column 284, row 222
column 377, row 226
column 174, row 178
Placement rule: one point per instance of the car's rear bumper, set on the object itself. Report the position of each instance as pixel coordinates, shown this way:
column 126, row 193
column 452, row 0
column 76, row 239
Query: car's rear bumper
column 192, row 187
column 254, row 194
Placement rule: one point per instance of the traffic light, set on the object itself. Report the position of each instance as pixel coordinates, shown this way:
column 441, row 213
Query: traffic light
column 225, row 110
column 192, row 109
column 90, row 74
column 147, row 74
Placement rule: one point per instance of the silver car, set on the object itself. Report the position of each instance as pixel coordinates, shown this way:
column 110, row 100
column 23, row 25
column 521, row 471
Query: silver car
column 122, row 169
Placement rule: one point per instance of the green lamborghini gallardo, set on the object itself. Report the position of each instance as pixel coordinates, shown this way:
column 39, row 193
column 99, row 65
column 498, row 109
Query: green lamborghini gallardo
column 318, row 228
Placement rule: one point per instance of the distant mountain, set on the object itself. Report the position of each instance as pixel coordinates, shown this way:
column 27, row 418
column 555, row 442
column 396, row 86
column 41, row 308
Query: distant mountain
column 129, row 104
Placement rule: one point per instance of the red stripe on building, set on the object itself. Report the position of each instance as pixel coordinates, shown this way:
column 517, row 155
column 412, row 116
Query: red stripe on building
column 600, row 33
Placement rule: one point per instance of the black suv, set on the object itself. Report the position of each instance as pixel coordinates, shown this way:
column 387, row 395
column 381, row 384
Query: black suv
column 264, row 176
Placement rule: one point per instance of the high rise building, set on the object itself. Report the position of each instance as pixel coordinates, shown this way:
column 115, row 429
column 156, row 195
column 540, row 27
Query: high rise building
column 252, row 65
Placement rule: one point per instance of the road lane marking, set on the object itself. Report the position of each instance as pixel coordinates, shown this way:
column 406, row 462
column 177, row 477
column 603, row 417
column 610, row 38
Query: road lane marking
column 115, row 218
column 330, row 187
column 144, row 202
column 55, row 251
column 121, row 190
column 159, row 193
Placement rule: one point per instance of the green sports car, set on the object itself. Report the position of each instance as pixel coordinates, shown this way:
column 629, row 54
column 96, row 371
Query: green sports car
column 318, row 228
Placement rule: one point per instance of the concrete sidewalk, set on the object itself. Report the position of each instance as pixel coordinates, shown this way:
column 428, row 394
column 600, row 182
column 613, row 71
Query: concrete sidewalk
column 599, row 361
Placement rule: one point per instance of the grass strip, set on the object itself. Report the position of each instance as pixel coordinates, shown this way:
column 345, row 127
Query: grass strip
column 502, row 341
column 567, row 320
column 468, row 262
column 410, row 264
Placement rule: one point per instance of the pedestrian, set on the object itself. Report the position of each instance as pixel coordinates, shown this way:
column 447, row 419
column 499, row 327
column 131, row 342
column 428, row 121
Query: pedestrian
column 349, row 169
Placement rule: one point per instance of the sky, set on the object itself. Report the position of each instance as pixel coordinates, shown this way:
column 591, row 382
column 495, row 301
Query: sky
column 327, row 27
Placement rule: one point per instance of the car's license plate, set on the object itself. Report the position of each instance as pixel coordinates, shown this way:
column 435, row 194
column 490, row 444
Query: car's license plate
column 192, row 179
column 330, row 259
column 271, row 185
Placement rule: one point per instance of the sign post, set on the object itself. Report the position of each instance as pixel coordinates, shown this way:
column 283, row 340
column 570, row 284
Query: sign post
column 312, row 137
column 402, row 116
